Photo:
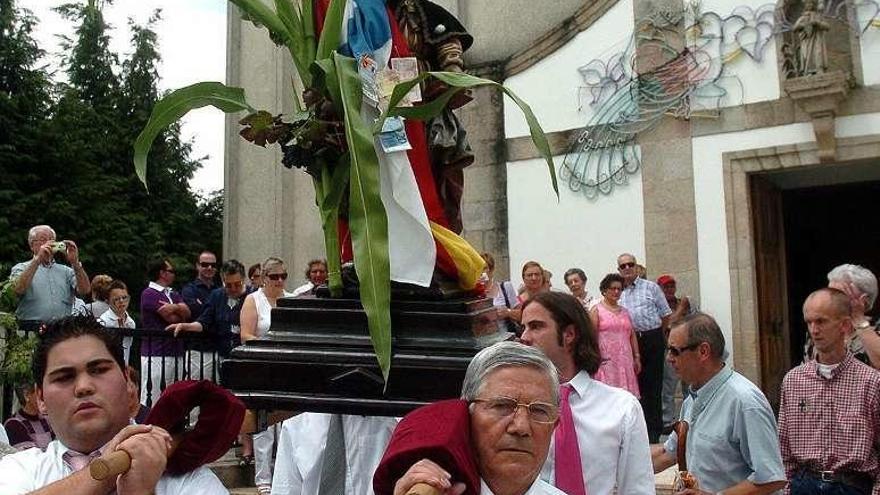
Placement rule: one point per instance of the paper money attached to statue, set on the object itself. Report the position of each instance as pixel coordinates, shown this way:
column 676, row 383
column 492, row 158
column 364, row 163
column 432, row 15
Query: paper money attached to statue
column 402, row 69
column 393, row 136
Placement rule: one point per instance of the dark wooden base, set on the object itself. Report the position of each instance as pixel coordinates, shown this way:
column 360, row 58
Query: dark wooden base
column 318, row 356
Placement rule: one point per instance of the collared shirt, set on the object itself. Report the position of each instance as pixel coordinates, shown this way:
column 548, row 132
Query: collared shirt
column 152, row 298
column 539, row 487
column 612, row 439
column 50, row 294
column 26, row 431
column 831, row 424
column 33, row 469
column 646, row 304
column 732, row 435
column 195, row 295
column 109, row 319
column 305, row 288
column 219, row 315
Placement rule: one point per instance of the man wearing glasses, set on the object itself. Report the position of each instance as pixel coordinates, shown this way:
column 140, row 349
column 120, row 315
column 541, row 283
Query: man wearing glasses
column 649, row 313
column 512, row 391
column 162, row 359
column 196, row 293
column 732, row 445
column 601, row 444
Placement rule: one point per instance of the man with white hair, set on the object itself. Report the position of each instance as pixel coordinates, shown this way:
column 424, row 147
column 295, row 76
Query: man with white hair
column 514, row 408
column 47, row 289
column 860, row 285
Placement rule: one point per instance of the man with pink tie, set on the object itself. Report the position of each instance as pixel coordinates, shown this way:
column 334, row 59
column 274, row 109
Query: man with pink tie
column 601, row 443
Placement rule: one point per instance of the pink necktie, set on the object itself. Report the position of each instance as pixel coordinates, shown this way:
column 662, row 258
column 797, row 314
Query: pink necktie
column 78, row 461
column 569, row 471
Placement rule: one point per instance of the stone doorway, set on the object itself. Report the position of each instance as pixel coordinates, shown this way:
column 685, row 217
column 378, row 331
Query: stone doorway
column 778, row 201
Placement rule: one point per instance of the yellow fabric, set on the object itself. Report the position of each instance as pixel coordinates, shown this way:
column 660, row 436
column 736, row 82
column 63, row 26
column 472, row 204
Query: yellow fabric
column 468, row 261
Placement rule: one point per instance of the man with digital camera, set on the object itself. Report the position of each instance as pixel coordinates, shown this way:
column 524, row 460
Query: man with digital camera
column 47, row 289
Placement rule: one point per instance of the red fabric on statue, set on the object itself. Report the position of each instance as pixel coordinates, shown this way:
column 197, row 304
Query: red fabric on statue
column 438, row 431
column 220, row 418
column 418, row 156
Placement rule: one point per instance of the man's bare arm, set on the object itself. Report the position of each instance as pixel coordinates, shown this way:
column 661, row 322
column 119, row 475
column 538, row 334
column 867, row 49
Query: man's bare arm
column 661, row 459
column 78, row 483
column 742, row 488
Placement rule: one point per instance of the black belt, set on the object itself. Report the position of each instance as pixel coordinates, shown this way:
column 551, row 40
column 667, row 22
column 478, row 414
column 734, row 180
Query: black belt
column 860, row 481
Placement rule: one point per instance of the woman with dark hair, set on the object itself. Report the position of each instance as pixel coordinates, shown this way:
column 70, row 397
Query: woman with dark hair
column 617, row 338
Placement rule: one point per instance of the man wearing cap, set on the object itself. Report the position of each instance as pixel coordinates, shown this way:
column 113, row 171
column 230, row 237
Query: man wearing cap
column 649, row 313
column 681, row 307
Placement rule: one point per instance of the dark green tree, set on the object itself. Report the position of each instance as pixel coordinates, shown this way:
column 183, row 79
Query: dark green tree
column 24, row 132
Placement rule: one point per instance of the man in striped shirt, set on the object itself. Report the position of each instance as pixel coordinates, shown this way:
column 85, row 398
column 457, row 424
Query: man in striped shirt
column 649, row 313
column 829, row 417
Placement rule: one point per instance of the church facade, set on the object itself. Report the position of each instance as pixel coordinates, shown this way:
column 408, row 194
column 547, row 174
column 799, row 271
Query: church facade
column 732, row 143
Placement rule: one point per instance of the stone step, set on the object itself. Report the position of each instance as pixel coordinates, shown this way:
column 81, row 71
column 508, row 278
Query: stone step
column 233, row 475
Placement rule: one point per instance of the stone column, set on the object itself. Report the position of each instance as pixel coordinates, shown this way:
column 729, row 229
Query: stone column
column 270, row 210
column 484, row 204
column 668, row 189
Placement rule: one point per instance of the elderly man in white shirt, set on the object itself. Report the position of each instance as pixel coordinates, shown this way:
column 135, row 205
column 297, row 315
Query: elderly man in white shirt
column 610, row 435
column 513, row 408
column 83, row 388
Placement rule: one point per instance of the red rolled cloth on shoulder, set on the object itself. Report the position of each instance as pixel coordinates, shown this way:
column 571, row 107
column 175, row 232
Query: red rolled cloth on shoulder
column 220, row 418
column 440, row 432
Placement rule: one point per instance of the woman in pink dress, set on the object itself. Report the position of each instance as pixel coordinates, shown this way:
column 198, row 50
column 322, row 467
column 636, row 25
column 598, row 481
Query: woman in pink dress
column 617, row 338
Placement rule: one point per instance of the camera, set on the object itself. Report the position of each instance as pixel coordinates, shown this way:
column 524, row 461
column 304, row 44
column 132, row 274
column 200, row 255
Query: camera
column 59, row 247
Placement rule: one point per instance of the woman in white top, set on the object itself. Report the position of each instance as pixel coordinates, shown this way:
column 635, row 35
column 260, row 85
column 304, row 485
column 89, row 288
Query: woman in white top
column 256, row 318
column 256, row 313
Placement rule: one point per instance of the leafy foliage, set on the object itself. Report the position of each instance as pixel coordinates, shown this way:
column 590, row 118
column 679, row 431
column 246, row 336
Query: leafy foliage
column 65, row 152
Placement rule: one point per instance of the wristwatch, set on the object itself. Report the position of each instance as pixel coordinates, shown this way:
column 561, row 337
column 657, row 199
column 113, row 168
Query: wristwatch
column 863, row 325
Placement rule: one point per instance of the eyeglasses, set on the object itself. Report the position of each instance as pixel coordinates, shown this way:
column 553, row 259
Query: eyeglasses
column 119, row 299
column 628, row 264
column 276, row 276
column 676, row 351
column 614, row 287
column 205, row 264
column 503, row 407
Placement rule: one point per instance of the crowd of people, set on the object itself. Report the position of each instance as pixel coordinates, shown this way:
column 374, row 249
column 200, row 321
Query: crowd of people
column 584, row 400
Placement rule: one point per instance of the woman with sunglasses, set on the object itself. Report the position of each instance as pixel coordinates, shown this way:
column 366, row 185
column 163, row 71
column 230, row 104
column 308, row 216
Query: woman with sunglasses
column 256, row 317
column 617, row 338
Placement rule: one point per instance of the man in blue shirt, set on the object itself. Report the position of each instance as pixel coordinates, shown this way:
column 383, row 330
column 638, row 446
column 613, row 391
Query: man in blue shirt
column 47, row 289
column 219, row 320
column 195, row 294
column 732, row 445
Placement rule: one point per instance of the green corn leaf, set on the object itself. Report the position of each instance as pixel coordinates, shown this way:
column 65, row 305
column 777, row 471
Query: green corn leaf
column 177, row 104
column 308, row 29
column 329, row 190
column 367, row 218
column 331, row 34
column 261, row 15
column 458, row 81
column 297, row 43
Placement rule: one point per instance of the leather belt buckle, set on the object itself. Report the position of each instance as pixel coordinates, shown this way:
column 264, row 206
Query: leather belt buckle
column 826, row 476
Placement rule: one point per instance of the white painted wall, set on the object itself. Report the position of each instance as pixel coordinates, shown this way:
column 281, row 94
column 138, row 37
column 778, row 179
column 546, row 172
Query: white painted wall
column 551, row 86
column 573, row 232
column 745, row 80
column 870, row 43
column 709, row 199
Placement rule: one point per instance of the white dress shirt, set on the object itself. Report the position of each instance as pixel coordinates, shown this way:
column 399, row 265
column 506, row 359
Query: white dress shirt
column 32, row 469
column 303, row 440
column 539, row 487
column 612, row 439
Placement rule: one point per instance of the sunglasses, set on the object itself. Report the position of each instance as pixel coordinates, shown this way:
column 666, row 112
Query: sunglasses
column 626, row 265
column 676, row 351
column 205, row 264
column 277, row 276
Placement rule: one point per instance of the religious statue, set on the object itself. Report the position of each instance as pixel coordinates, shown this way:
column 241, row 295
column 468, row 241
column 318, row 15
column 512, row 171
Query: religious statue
column 810, row 31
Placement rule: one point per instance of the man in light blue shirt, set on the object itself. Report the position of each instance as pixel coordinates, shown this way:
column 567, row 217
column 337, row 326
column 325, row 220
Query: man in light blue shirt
column 47, row 289
column 732, row 445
